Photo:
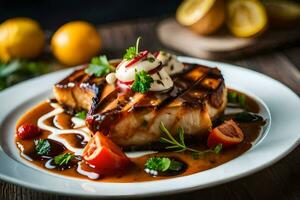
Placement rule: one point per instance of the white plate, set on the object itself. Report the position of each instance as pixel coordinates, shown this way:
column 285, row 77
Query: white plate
column 283, row 136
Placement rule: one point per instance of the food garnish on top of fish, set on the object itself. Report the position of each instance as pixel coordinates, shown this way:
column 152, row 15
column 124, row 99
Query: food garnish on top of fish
column 140, row 92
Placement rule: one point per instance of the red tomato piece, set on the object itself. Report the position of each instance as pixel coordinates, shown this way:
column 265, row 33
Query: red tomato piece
column 227, row 134
column 27, row 131
column 105, row 155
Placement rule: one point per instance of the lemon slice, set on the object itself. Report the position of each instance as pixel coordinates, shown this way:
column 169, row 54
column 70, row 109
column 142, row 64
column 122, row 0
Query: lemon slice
column 283, row 13
column 202, row 16
column 246, row 18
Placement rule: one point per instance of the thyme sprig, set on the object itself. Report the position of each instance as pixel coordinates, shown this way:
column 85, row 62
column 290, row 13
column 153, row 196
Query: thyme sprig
column 180, row 146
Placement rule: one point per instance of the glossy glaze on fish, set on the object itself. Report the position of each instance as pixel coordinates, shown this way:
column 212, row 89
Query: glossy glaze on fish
column 130, row 119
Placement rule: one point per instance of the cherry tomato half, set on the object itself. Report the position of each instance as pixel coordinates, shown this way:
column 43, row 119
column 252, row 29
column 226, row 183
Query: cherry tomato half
column 28, row 131
column 104, row 155
column 227, row 134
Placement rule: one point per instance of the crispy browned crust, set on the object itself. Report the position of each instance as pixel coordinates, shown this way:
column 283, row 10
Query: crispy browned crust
column 194, row 87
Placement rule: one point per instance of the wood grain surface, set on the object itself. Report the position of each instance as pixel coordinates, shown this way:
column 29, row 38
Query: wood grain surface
column 223, row 44
column 280, row 181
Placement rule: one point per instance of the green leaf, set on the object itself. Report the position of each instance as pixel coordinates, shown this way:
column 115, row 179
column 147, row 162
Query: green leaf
column 63, row 159
column 81, row 114
column 133, row 51
column 130, row 53
column 162, row 164
column 42, row 147
column 218, row 148
column 181, row 135
column 142, row 82
column 158, row 163
column 99, row 66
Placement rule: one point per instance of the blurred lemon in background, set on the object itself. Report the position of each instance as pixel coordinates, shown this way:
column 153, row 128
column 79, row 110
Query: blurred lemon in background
column 75, row 43
column 283, row 13
column 20, row 38
column 246, row 18
column 201, row 16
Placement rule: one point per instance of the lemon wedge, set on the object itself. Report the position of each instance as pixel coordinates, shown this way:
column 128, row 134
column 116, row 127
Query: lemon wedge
column 201, row 16
column 246, row 18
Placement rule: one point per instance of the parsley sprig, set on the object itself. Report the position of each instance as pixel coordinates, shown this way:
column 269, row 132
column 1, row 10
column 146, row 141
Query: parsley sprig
column 132, row 51
column 63, row 159
column 162, row 164
column 180, row 146
column 81, row 114
column 142, row 82
column 99, row 66
column 42, row 147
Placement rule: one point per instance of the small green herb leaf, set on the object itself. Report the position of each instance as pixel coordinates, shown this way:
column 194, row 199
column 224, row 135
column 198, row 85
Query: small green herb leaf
column 218, row 148
column 142, row 82
column 99, row 66
column 133, row 51
column 81, row 114
column 162, row 164
column 42, row 147
column 63, row 159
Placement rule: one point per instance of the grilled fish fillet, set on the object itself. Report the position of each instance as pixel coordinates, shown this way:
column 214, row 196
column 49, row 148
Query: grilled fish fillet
column 198, row 97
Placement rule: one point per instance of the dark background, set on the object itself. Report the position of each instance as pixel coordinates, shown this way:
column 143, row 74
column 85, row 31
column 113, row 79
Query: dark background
column 52, row 14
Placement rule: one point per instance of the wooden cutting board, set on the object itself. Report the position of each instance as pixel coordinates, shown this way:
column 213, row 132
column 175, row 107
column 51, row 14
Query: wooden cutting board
column 221, row 45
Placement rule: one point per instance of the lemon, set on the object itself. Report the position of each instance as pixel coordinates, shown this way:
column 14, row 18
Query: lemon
column 246, row 18
column 201, row 16
column 283, row 13
column 20, row 38
column 75, row 43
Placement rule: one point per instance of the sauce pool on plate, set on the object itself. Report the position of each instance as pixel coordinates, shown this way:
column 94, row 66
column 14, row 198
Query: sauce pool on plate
column 64, row 132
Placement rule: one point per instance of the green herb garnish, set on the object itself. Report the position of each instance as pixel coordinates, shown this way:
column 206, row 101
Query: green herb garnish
column 133, row 51
column 42, row 147
column 234, row 97
column 162, row 164
column 180, row 146
column 19, row 70
column 99, row 66
column 81, row 114
column 142, row 82
column 63, row 159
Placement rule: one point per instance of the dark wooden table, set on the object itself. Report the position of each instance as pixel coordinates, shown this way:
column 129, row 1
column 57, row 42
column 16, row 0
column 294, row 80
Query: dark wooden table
column 280, row 181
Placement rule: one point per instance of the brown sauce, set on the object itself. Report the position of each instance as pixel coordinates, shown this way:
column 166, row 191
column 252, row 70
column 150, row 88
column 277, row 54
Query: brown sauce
column 135, row 173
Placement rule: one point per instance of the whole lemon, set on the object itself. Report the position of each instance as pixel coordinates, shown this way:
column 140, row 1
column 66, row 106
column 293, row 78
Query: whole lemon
column 75, row 43
column 20, row 38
